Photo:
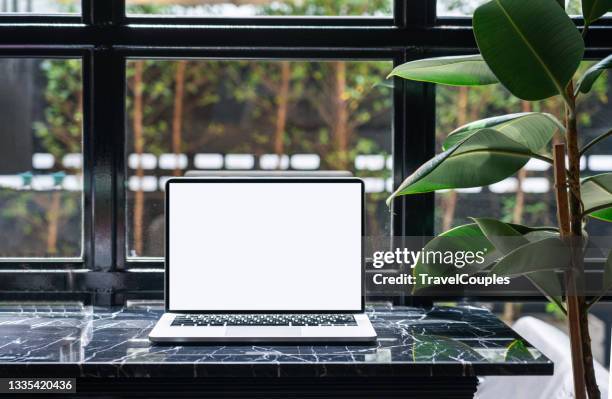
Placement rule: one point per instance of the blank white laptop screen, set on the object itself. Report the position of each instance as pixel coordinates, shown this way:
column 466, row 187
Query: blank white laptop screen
column 264, row 246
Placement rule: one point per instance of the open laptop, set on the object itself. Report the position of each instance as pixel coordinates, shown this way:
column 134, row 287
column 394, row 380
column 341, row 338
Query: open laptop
column 264, row 259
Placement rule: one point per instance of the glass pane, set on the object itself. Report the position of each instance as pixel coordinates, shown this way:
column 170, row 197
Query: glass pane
column 41, row 6
column 253, row 115
column 457, row 8
column 527, row 197
column 41, row 175
column 251, row 8
column 465, row 8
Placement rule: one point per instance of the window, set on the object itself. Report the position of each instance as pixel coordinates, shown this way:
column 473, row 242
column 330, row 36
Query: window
column 41, row 179
column 40, row 6
column 101, row 101
column 252, row 115
column 458, row 7
column 251, row 8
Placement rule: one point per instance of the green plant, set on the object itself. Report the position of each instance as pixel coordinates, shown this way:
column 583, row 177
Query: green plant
column 534, row 50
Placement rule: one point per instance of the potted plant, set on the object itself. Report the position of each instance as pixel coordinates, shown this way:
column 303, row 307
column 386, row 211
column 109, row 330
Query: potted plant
column 533, row 49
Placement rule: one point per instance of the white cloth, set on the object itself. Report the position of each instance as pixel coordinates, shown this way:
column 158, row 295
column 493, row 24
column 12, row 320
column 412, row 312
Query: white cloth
column 554, row 344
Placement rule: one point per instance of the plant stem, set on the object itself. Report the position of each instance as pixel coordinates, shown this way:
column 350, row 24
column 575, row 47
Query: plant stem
column 573, row 155
column 591, row 382
column 575, row 274
column 573, row 307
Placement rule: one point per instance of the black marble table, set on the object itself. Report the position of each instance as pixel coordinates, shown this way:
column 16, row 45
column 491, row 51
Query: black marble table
column 437, row 352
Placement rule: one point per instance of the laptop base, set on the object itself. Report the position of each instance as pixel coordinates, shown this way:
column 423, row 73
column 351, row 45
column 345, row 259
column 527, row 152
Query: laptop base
column 164, row 332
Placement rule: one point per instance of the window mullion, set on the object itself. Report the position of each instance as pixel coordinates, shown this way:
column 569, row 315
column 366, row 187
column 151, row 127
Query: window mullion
column 413, row 145
column 419, row 13
column 106, row 91
column 103, row 12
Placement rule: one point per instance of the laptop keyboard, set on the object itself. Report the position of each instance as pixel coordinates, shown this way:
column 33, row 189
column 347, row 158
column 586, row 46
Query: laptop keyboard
column 264, row 320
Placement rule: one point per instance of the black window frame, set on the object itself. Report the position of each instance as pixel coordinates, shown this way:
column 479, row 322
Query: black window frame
column 104, row 37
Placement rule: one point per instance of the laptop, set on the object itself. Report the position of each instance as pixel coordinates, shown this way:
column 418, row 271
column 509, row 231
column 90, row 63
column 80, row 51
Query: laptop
column 264, row 259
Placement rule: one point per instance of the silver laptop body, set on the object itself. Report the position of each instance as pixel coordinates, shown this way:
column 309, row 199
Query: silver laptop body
column 264, row 259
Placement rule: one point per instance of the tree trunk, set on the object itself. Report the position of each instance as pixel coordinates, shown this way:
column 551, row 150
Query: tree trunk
column 53, row 219
column 450, row 204
column 177, row 116
column 519, row 204
column 138, row 148
column 511, row 309
column 340, row 127
column 281, row 113
column 450, row 200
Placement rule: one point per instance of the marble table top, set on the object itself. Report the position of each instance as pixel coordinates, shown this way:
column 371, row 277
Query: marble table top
column 73, row 340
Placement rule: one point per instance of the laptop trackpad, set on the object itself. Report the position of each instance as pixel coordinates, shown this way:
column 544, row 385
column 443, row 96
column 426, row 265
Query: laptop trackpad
column 262, row 331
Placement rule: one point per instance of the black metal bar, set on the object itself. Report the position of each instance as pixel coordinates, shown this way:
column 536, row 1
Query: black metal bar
column 106, row 124
column 253, row 36
column 104, row 12
column 101, row 162
column 419, row 13
column 118, row 110
column 414, row 144
column 89, row 155
column 408, row 146
column 40, row 19
column 27, row 265
column 260, row 53
column 105, row 93
column 13, row 51
column 104, row 288
column 399, row 13
column 211, row 36
column 400, row 171
column 87, row 11
column 335, row 21
column 413, row 147
column 86, row 298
